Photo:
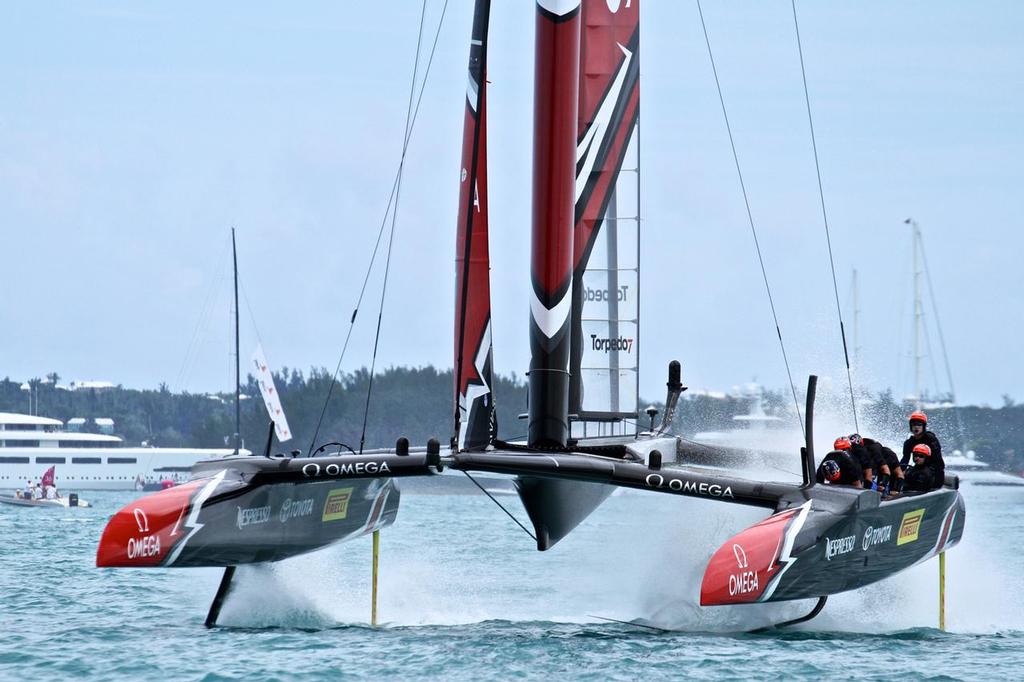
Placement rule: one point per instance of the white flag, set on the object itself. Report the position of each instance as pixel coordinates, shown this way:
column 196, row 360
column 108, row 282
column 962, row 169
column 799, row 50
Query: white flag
column 270, row 397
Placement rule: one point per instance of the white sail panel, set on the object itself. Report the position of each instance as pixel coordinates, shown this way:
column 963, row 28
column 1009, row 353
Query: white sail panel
column 610, row 303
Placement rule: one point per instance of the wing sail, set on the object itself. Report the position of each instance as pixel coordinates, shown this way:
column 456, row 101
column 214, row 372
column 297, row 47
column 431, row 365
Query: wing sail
column 605, row 311
column 474, row 400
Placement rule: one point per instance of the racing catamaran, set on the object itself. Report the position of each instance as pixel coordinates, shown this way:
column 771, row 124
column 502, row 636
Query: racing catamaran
column 584, row 323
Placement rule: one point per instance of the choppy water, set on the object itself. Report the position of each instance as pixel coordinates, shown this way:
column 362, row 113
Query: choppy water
column 465, row 596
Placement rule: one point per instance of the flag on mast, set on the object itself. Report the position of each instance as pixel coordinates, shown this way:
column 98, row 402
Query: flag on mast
column 270, row 397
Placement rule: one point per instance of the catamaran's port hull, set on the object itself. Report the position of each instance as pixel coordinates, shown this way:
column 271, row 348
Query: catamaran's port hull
column 254, row 509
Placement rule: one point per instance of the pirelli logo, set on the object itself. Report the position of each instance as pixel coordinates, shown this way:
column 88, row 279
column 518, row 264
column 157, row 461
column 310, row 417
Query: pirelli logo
column 910, row 527
column 336, row 504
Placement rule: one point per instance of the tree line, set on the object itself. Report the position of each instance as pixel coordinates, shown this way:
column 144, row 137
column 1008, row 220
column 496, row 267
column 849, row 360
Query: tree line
column 417, row 402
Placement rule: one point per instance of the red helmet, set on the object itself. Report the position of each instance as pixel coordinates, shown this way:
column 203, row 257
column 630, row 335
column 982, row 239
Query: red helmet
column 923, row 450
column 830, row 469
column 842, row 443
column 918, row 417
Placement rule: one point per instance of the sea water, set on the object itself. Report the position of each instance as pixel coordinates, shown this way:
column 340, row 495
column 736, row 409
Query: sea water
column 463, row 594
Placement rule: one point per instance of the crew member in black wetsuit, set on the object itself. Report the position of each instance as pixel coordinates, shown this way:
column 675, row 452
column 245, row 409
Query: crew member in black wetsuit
column 839, row 468
column 921, row 477
column 920, row 435
column 871, row 462
column 890, row 468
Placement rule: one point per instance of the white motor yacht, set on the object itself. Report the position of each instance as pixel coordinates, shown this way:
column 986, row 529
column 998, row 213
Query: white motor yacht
column 975, row 472
column 30, row 444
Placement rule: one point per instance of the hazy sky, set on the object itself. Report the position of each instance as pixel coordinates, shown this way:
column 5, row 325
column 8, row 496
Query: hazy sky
column 133, row 136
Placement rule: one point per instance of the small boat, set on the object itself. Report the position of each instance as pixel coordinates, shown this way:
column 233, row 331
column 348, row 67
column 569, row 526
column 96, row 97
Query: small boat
column 47, row 483
column 72, row 500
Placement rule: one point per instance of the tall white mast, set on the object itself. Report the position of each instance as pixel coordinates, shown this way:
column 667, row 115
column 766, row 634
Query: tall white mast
column 917, row 312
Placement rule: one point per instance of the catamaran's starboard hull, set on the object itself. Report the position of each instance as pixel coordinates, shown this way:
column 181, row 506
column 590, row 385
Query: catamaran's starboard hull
column 811, row 551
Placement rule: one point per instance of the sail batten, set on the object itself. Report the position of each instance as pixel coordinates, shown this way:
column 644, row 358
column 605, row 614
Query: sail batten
column 475, row 423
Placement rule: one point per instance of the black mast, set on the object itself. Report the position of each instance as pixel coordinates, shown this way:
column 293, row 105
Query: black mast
column 238, row 368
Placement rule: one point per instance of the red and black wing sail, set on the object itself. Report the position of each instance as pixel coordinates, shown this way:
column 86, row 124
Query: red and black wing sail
column 555, row 83
column 605, row 309
column 474, row 400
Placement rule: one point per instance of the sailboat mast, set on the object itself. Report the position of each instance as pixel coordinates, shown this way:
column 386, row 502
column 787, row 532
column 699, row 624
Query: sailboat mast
column 917, row 317
column 238, row 367
column 556, row 77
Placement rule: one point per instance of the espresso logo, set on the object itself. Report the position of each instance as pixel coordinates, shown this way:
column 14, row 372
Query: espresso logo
column 251, row 516
column 839, row 546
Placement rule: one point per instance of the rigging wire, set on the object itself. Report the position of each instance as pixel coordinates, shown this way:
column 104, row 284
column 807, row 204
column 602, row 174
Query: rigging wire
column 213, row 291
column 252, row 317
column 901, row 326
column 750, row 219
column 935, row 314
column 394, row 221
column 929, row 352
column 500, row 506
column 824, row 215
column 380, row 234
column 942, row 339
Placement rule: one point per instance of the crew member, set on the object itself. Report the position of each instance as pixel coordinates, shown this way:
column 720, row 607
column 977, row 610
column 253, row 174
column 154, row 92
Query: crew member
column 891, row 467
column 921, row 477
column 839, row 468
column 870, row 463
column 920, row 435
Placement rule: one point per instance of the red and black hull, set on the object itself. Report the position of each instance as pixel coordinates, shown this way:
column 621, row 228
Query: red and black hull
column 243, row 510
column 833, row 542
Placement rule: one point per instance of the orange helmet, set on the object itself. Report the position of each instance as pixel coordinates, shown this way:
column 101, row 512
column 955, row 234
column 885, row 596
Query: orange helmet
column 922, row 449
column 918, row 417
column 842, row 443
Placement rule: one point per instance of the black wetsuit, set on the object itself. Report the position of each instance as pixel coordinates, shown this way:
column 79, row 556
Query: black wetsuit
column 890, row 458
column 934, row 462
column 867, row 459
column 877, row 452
column 849, row 469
